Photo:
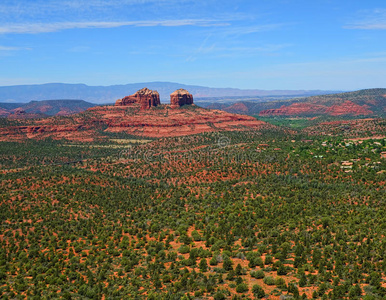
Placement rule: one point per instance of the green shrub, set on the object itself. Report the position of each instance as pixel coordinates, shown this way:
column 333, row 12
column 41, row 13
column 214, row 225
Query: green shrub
column 258, row 291
column 242, row 288
column 213, row 261
column 269, row 280
column 280, row 283
column 184, row 249
column 219, row 296
column 196, row 236
column 259, row 274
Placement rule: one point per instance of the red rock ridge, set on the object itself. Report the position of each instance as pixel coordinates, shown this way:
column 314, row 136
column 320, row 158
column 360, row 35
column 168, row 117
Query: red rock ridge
column 180, row 97
column 145, row 97
column 237, row 107
column 348, row 108
column 296, row 109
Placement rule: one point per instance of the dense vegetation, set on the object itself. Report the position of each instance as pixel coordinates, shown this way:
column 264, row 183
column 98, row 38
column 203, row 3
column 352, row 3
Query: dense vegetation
column 211, row 216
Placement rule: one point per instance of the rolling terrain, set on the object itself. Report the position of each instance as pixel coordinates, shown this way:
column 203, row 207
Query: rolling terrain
column 371, row 102
column 181, row 202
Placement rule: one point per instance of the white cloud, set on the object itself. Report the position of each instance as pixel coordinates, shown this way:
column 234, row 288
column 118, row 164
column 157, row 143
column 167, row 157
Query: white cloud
column 27, row 11
column 39, row 7
column 6, row 48
column 53, row 27
column 369, row 20
column 375, row 26
column 243, row 30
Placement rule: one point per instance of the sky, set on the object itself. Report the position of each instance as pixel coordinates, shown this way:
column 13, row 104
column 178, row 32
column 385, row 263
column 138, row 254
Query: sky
column 251, row 44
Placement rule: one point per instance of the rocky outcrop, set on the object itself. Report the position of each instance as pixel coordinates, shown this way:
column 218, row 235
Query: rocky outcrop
column 180, row 97
column 145, row 97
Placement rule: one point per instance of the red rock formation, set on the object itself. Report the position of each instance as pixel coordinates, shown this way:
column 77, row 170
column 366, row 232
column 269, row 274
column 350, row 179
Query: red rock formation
column 145, row 97
column 153, row 123
column 19, row 111
column 20, row 114
column 297, row 109
column 180, row 97
column 348, row 108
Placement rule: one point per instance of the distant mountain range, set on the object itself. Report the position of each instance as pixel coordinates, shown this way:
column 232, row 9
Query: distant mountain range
column 108, row 94
column 359, row 103
column 44, row 108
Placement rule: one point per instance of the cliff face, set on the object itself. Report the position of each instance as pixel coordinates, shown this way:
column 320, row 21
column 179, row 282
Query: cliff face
column 145, row 97
column 180, row 97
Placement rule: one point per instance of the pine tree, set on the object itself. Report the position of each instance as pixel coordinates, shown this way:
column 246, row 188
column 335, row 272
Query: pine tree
column 203, row 265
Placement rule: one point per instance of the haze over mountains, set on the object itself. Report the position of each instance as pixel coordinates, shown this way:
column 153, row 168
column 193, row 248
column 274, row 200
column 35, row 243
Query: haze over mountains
column 108, row 94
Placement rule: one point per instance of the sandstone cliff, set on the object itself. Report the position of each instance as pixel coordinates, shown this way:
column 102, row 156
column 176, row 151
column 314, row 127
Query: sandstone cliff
column 145, row 97
column 180, row 97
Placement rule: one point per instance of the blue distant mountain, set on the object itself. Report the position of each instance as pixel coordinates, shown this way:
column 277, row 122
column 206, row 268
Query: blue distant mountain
column 108, row 94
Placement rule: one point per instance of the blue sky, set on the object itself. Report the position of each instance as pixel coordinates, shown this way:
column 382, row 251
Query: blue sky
column 259, row 44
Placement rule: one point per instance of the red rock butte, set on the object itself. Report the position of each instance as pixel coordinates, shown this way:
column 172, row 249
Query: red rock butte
column 180, row 97
column 145, row 97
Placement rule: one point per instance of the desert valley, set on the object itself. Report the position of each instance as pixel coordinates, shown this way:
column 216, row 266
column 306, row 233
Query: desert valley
column 192, row 150
column 139, row 199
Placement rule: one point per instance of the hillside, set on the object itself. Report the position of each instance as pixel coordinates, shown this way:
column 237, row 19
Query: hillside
column 101, row 121
column 44, row 108
column 108, row 94
column 364, row 102
column 57, row 107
